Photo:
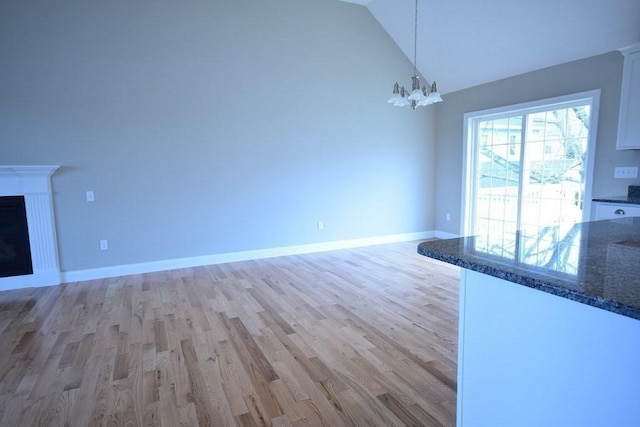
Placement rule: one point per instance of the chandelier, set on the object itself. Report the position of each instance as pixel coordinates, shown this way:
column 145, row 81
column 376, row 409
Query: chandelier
column 426, row 95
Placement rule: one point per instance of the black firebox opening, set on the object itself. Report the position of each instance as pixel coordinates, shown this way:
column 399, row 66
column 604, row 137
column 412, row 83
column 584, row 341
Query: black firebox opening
column 15, row 251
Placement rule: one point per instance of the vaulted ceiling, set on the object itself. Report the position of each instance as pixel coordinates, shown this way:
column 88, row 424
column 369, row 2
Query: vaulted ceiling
column 464, row 43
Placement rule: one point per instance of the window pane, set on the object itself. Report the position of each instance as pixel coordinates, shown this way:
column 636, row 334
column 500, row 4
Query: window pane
column 532, row 185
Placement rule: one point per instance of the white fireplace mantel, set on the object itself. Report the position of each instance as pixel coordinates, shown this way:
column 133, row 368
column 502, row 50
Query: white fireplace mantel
column 34, row 183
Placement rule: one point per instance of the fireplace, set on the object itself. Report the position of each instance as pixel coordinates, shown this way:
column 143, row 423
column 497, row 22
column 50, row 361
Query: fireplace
column 28, row 245
column 15, row 251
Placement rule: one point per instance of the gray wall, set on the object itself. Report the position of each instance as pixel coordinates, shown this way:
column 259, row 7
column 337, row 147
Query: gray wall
column 600, row 72
column 214, row 126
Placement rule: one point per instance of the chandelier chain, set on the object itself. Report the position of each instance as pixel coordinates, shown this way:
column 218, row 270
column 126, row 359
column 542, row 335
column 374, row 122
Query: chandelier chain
column 415, row 38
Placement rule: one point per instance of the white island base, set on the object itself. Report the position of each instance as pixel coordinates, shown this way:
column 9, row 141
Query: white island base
column 529, row 358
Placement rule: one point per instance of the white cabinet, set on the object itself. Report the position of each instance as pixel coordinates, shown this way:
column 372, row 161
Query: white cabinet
column 527, row 358
column 616, row 210
column 629, row 121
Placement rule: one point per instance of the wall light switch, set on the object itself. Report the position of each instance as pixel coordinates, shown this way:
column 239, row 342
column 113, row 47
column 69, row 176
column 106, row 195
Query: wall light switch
column 90, row 196
column 104, row 245
column 626, row 172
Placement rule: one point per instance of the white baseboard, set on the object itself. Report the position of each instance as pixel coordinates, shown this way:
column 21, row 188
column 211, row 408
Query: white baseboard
column 37, row 279
column 171, row 264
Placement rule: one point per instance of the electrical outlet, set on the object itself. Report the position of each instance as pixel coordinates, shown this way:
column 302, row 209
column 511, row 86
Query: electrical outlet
column 104, row 245
column 626, row 172
column 448, row 217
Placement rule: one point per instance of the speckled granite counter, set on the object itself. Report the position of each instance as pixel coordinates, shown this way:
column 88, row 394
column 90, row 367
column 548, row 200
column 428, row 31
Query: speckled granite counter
column 627, row 200
column 595, row 263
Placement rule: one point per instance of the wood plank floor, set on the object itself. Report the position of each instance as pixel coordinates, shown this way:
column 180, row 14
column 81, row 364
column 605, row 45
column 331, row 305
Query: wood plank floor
column 360, row 337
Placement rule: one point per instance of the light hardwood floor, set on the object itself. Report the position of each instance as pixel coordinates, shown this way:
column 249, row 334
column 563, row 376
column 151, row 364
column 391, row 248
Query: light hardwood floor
column 360, row 337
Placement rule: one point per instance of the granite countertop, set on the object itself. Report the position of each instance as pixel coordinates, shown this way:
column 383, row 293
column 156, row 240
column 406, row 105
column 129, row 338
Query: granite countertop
column 618, row 199
column 595, row 263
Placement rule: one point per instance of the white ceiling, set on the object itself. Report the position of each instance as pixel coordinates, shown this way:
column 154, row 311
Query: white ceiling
column 464, row 43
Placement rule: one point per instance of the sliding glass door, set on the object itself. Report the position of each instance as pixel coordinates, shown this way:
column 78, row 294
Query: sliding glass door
column 528, row 169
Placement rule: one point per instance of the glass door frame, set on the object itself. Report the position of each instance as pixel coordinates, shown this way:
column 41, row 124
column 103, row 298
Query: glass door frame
column 469, row 156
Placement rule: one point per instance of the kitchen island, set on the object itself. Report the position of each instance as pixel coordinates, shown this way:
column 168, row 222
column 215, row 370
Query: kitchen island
column 549, row 331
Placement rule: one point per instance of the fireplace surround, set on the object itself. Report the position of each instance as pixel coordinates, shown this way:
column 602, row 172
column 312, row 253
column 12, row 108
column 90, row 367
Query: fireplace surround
column 34, row 184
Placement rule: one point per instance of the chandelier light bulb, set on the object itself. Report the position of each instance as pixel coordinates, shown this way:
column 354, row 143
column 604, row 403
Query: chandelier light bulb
column 395, row 97
column 434, row 96
column 416, row 92
column 401, row 100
